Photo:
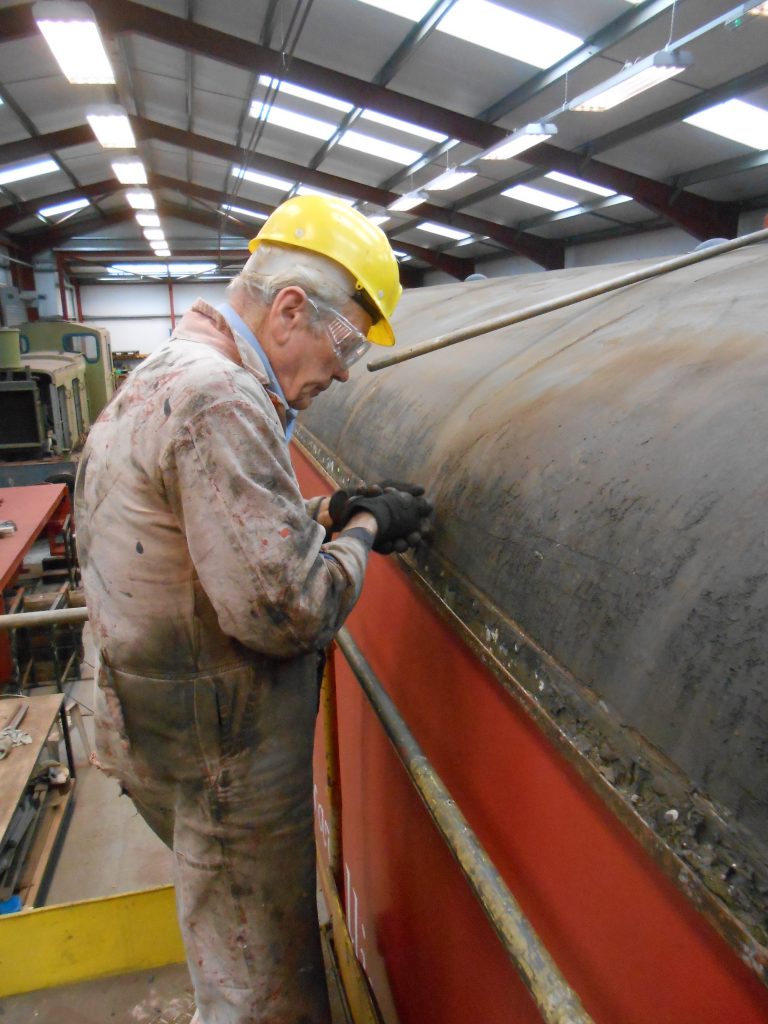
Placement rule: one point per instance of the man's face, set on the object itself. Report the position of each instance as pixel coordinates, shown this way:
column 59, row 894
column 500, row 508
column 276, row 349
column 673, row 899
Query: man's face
column 300, row 348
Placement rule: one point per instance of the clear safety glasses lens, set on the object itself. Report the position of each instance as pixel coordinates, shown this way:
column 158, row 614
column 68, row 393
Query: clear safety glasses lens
column 349, row 344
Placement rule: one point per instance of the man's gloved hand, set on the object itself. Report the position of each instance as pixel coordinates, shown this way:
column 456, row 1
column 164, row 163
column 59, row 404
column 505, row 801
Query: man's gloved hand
column 338, row 501
column 402, row 516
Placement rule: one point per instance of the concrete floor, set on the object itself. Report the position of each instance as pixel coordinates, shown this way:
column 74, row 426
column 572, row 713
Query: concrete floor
column 109, row 849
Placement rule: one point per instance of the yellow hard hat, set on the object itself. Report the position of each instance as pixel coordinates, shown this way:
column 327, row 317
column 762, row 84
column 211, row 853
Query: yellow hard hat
column 329, row 226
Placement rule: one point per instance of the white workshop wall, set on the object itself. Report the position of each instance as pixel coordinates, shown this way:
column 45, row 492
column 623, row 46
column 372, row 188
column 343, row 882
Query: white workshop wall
column 137, row 316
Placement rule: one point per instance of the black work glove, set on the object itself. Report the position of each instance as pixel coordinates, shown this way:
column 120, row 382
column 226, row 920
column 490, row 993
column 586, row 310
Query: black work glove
column 339, row 499
column 402, row 518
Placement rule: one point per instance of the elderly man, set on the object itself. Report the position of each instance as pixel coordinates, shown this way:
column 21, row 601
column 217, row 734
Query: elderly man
column 212, row 587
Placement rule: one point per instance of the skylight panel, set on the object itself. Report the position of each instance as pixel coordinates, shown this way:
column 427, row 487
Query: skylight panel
column 441, row 229
column 378, row 147
column 402, row 126
column 537, row 197
column 267, row 180
column 507, row 32
column 308, row 190
column 160, row 269
column 68, row 207
column 585, row 186
column 20, row 172
column 290, row 89
column 294, row 122
column 413, row 10
column 736, row 120
column 227, row 208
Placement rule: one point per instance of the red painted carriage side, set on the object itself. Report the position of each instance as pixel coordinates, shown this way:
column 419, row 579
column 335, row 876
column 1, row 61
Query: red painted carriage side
column 625, row 938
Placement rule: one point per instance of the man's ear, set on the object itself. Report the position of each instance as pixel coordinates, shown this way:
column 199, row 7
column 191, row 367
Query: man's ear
column 287, row 312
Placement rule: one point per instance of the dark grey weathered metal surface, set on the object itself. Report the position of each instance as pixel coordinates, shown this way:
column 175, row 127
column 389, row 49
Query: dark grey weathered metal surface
column 600, row 483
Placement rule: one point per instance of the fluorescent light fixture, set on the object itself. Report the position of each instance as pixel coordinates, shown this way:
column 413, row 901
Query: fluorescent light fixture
column 71, row 31
column 130, row 172
column 402, row 126
column 448, row 179
column 227, row 208
column 585, row 186
column 633, row 79
column 507, row 32
column 69, row 207
column 162, row 252
column 268, row 180
column 760, row 9
column 736, row 120
column 157, row 246
column 290, row 89
column 140, row 199
column 378, row 219
column 20, row 172
column 111, row 127
column 147, row 220
column 441, row 229
column 362, row 143
column 493, row 27
column 408, row 202
column 537, row 197
column 154, row 234
column 518, row 142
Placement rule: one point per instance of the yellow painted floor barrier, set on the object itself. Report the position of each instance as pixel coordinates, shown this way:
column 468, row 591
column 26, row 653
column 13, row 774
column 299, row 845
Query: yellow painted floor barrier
column 96, row 938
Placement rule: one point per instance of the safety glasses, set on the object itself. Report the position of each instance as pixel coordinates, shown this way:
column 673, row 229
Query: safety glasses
column 348, row 343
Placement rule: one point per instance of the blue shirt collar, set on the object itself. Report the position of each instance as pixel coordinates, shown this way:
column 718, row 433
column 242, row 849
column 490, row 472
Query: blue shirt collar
column 238, row 324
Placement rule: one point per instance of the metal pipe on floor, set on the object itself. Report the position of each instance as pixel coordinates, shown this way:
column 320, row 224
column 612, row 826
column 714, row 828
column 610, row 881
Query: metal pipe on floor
column 59, row 617
column 555, row 999
column 530, row 312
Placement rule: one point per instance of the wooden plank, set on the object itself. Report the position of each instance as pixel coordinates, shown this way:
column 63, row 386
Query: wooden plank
column 96, row 938
column 52, row 819
column 17, row 767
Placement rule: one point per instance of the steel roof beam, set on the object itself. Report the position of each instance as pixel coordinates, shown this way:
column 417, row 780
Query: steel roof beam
column 547, row 254
column 129, row 16
column 722, row 169
column 40, row 145
column 39, row 241
column 455, row 266
column 12, row 214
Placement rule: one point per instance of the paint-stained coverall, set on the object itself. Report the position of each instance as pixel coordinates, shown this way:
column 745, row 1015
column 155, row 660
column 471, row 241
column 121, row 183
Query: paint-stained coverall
column 210, row 592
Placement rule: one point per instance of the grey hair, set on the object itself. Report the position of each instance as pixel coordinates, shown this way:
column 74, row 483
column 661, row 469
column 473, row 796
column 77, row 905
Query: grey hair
column 273, row 267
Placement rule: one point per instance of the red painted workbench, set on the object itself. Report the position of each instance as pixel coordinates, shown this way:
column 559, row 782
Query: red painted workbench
column 38, row 509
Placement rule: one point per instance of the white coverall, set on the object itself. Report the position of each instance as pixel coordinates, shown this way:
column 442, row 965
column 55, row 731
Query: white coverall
column 210, row 593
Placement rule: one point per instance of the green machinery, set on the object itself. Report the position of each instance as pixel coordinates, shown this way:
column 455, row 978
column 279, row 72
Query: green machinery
column 55, row 378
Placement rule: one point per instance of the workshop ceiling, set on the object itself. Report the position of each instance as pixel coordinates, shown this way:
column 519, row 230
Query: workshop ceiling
column 372, row 100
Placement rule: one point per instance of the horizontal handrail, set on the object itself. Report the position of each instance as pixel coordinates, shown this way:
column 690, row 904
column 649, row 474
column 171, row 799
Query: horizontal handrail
column 555, row 999
column 58, row 617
